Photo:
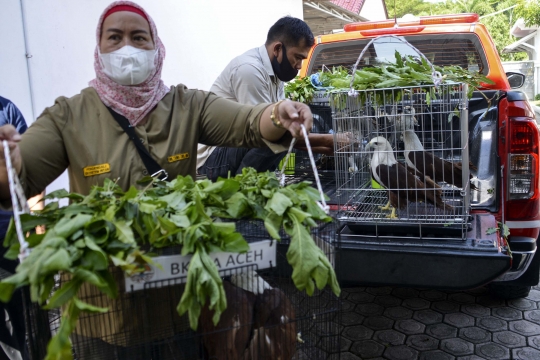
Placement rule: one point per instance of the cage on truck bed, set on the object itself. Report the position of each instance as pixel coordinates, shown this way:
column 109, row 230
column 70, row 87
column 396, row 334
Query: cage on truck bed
column 407, row 168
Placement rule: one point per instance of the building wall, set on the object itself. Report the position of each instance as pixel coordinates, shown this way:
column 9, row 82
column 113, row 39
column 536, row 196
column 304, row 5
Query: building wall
column 373, row 10
column 200, row 38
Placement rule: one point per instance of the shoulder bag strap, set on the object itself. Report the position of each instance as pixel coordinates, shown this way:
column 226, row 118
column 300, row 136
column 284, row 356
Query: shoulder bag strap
column 151, row 165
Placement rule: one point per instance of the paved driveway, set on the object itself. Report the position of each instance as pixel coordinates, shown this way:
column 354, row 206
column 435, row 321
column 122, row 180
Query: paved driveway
column 405, row 323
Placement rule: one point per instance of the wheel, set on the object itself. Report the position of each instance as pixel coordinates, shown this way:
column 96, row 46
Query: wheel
column 508, row 292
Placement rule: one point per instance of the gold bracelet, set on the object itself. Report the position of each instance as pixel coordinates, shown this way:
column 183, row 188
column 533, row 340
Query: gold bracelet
column 274, row 118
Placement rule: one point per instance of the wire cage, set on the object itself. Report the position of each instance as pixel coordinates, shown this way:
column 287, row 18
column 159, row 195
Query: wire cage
column 266, row 316
column 407, row 169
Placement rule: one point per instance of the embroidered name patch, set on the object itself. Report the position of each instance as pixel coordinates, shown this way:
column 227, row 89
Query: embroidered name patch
column 97, row 169
column 178, row 157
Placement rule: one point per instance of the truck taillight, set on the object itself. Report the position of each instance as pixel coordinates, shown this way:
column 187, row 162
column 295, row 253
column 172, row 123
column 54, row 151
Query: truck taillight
column 523, row 164
column 521, row 184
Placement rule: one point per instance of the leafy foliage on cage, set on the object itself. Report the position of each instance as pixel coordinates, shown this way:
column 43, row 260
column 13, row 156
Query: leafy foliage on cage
column 110, row 226
column 406, row 71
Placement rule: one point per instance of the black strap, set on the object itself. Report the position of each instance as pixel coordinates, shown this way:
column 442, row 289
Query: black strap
column 154, row 169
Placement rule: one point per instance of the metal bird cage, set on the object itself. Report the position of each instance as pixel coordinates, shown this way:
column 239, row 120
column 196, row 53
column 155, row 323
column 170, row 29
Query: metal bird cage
column 278, row 323
column 439, row 202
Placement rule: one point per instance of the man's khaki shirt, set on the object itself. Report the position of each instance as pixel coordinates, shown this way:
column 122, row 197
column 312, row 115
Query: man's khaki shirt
column 80, row 134
column 248, row 79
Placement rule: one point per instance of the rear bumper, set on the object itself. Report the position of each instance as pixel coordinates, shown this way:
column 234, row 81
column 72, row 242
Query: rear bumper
column 523, row 249
column 430, row 263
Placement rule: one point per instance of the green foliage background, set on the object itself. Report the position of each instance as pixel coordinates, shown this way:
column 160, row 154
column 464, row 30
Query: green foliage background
column 498, row 25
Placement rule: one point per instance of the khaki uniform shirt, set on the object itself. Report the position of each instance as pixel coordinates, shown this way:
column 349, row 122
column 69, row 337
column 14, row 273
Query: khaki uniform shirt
column 79, row 134
column 247, row 79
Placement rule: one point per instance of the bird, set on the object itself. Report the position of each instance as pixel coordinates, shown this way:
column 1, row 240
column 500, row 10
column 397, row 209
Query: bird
column 403, row 186
column 274, row 328
column 431, row 165
column 404, row 120
column 259, row 322
column 230, row 337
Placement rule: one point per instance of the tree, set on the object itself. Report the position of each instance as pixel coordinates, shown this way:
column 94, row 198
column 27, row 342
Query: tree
column 498, row 25
column 399, row 8
column 529, row 11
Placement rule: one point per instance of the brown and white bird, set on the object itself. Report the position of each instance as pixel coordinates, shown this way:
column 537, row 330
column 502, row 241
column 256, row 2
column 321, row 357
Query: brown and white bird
column 431, row 165
column 274, row 328
column 259, row 322
column 403, row 186
column 230, row 337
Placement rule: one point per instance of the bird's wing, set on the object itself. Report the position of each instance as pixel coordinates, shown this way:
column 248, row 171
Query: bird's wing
column 230, row 337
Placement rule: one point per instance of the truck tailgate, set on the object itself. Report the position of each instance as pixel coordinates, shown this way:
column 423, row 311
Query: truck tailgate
column 423, row 262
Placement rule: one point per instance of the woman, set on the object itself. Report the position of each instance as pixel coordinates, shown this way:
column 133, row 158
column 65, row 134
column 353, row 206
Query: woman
column 81, row 134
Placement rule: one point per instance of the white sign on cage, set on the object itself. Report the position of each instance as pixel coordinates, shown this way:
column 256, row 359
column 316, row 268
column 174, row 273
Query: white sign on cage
column 261, row 254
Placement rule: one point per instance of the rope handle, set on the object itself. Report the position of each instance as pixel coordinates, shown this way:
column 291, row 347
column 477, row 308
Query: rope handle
column 19, row 202
column 322, row 203
column 436, row 76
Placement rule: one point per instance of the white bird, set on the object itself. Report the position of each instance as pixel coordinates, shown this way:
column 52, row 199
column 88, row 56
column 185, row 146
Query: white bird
column 403, row 186
column 431, row 165
column 404, row 120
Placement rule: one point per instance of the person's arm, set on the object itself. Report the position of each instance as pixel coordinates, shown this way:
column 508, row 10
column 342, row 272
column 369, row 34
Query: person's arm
column 227, row 123
column 9, row 133
column 39, row 156
column 16, row 118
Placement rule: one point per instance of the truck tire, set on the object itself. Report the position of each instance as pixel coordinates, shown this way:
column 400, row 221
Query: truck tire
column 508, row 292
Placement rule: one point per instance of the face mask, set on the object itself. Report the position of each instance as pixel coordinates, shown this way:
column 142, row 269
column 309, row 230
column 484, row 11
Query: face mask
column 284, row 71
column 128, row 65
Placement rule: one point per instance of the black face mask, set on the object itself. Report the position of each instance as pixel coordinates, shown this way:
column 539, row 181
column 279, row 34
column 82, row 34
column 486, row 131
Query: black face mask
column 284, row 71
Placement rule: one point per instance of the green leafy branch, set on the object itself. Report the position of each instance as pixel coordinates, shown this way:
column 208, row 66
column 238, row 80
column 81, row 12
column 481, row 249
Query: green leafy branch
column 108, row 228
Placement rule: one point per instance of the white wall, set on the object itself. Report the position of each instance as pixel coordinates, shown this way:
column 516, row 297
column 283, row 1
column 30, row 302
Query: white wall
column 200, row 38
column 373, row 10
column 13, row 72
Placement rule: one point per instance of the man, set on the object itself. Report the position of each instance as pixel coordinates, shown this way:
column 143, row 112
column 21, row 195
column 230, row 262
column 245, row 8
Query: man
column 12, row 338
column 255, row 77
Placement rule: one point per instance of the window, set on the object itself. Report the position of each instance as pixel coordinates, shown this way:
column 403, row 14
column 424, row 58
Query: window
column 464, row 50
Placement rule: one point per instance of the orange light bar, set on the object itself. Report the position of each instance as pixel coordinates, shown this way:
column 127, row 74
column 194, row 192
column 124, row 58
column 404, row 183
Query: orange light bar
column 422, row 20
column 398, row 30
column 368, row 25
column 452, row 19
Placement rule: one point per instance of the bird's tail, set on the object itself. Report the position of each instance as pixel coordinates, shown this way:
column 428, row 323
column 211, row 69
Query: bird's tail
column 435, row 197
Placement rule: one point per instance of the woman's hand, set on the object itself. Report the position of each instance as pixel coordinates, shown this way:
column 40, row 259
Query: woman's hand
column 9, row 133
column 292, row 114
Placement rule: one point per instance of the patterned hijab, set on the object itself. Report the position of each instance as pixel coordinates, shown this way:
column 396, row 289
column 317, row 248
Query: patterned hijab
column 134, row 101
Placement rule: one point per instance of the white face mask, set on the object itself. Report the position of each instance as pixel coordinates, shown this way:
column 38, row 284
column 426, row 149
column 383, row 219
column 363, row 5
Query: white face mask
column 128, row 65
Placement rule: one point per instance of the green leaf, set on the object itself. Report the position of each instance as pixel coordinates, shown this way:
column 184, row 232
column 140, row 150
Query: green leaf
column 272, row 223
column 279, row 203
column 58, row 261
column 181, row 221
column 94, row 260
column 64, row 294
column 6, row 291
column 67, row 226
column 82, row 306
column 89, row 277
column 237, row 205
column 124, row 232
column 235, row 242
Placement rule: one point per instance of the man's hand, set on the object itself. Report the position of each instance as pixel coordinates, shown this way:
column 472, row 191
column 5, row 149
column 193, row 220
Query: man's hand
column 9, row 133
column 324, row 143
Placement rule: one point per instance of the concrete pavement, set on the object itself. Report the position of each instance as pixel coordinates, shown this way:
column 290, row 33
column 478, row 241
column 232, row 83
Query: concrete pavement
column 405, row 323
